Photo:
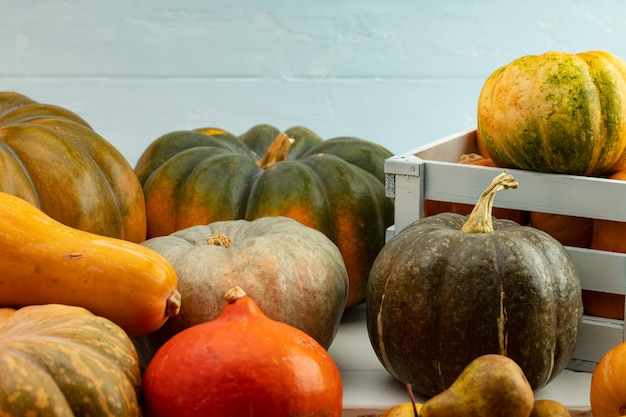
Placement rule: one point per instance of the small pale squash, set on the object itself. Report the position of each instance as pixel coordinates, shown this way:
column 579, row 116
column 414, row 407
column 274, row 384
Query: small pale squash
column 335, row 186
column 294, row 272
column 556, row 112
column 52, row 158
column 449, row 288
column 63, row 361
column 44, row 261
column 242, row 364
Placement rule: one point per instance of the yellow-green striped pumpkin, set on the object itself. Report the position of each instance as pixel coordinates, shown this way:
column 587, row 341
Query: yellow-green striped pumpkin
column 556, row 112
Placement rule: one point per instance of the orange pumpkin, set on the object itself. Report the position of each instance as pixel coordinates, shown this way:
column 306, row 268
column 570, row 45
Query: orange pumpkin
column 607, row 235
column 242, row 362
column 432, row 207
column 608, row 384
column 568, row 230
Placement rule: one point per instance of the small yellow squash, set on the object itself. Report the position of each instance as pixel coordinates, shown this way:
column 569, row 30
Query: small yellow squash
column 43, row 261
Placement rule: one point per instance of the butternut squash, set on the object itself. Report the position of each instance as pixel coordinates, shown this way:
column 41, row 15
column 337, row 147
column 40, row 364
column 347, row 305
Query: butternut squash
column 44, row 261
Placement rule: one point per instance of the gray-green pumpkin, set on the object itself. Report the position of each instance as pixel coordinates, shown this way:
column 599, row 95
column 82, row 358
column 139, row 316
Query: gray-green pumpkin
column 449, row 288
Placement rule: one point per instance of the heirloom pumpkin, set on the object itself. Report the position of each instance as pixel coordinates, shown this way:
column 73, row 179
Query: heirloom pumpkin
column 295, row 274
column 52, row 158
column 335, row 186
column 449, row 288
column 44, row 261
column 58, row 360
column 242, row 364
column 556, row 112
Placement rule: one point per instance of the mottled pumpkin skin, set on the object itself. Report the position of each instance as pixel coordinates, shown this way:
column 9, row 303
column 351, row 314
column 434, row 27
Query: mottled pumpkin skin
column 556, row 112
column 53, row 159
column 335, row 186
column 295, row 273
column 63, row 361
column 438, row 298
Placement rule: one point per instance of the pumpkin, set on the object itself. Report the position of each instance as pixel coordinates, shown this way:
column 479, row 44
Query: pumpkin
column 58, row 360
column 334, row 186
column 295, row 274
column 607, row 235
column 432, row 207
column 240, row 364
column 568, row 230
column 44, row 261
column 449, row 288
column 52, row 158
column 607, row 395
column 556, row 112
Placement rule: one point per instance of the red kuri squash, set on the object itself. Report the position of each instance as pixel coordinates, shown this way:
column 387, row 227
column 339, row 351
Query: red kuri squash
column 242, row 364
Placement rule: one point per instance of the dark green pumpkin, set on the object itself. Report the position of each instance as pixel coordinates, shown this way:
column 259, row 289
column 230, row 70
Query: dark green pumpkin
column 334, row 186
column 449, row 288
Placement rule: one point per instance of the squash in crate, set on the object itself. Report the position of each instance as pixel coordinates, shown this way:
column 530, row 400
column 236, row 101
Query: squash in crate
column 59, row 360
column 241, row 364
column 335, row 186
column 449, row 288
column 432, row 207
column 53, row 159
column 294, row 272
column 556, row 112
column 610, row 236
column 44, row 261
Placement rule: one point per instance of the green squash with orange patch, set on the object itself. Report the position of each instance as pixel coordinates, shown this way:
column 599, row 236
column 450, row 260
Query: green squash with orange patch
column 335, row 186
column 556, row 112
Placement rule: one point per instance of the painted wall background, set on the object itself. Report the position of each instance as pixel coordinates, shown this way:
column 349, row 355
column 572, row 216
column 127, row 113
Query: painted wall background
column 401, row 73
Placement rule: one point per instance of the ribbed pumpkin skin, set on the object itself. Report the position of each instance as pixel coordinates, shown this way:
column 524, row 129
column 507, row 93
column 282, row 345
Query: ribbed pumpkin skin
column 63, row 361
column 53, row 159
column 294, row 273
column 438, row 298
column 335, row 186
column 556, row 112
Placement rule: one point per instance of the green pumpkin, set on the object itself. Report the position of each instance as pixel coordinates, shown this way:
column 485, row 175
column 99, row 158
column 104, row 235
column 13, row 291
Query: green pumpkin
column 63, row 361
column 450, row 288
column 556, row 112
column 51, row 157
column 334, row 186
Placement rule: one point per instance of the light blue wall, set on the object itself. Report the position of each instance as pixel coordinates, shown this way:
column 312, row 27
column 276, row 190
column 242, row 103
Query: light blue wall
column 400, row 73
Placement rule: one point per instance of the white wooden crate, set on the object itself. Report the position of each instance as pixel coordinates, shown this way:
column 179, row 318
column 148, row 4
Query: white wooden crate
column 431, row 172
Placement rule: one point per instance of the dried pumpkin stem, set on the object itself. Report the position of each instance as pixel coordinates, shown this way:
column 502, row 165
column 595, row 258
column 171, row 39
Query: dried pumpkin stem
column 234, row 294
column 218, row 239
column 479, row 220
column 172, row 305
column 277, row 151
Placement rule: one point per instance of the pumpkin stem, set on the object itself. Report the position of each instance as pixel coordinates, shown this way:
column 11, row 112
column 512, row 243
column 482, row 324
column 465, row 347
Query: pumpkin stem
column 234, row 294
column 172, row 305
column 219, row 239
column 479, row 220
column 277, row 151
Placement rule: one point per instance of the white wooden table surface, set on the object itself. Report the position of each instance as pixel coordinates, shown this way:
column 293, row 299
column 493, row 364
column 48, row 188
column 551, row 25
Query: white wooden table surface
column 369, row 389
